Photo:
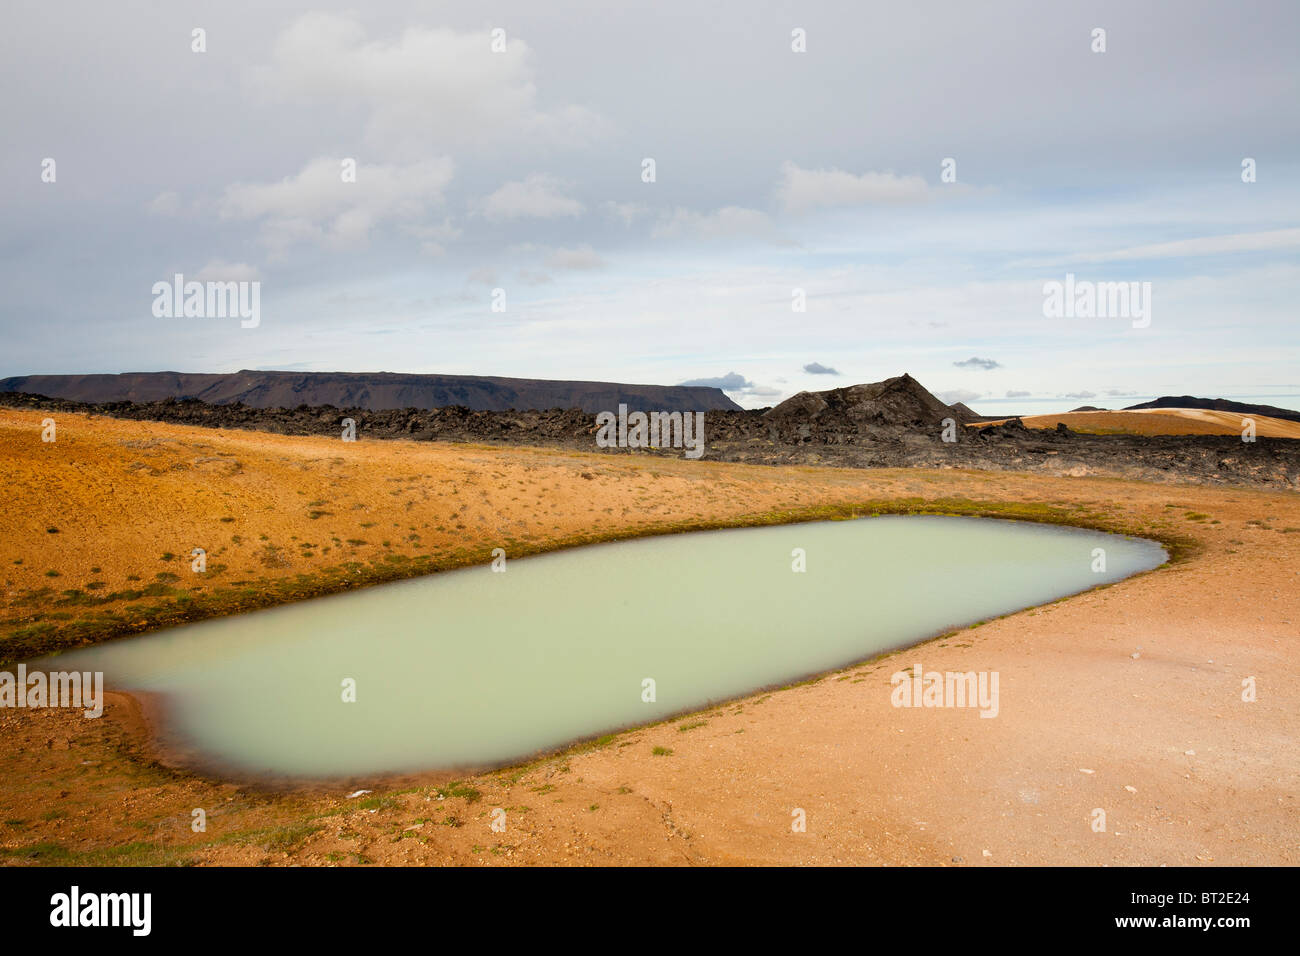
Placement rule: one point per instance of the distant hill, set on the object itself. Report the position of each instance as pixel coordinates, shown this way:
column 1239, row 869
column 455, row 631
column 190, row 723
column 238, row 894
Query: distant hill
column 1219, row 405
column 1162, row 421
column 896, row 403
column 371, row 390
column 967, row 415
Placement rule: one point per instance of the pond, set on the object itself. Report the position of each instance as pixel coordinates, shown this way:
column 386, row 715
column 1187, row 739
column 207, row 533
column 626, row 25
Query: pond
column 476, row 667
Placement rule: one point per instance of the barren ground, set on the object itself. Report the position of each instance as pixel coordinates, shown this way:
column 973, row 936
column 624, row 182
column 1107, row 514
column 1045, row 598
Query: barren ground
column 1126, row 699
column 1162, row 421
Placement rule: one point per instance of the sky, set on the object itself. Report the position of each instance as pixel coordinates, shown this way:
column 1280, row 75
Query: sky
column 799, row 154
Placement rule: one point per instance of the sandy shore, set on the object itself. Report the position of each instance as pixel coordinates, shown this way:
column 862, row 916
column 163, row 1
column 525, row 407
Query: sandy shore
column 1126, row 699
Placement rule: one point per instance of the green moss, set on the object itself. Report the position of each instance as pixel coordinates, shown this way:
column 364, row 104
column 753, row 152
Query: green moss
column 458, row 789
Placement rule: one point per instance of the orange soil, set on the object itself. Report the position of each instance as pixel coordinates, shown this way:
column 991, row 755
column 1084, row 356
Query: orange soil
column 1125, row 699
column 1163, row 421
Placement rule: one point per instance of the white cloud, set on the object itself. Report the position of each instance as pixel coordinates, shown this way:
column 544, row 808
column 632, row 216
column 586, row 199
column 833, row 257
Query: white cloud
column 628, row 212
column 434, row 236
column 316, row 205
column 218, row 270
column 426, row 89
column 1266, row 241
column 804, row 189
column 536, row 197
column 579, row 257
column 165, row 204
column 725, row 222
column 952, row 396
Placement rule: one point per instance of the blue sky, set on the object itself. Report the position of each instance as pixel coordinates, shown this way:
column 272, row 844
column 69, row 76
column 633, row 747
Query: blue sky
column 775, row 170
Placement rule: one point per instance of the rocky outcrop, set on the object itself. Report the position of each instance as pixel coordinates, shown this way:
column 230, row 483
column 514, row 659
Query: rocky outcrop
column 896, row 403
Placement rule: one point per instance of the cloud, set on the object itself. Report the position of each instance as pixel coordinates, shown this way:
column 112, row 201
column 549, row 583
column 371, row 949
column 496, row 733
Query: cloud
column 316, row 205
column 737, row 386
column 165, row 204
column 579, row 257
column 952, row 396
column 1266, row 241
column 1014, row 394
column 984, row 364
column 424, row 90
column 1080, row 395
column 627, row 212
column 726, row 222
column 218, row 270
column 434, row 237
column 803, row 189
column 816, row 368
column 731, row 382
column 536, row 197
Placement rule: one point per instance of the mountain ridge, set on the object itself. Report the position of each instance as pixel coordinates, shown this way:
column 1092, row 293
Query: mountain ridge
column 375, row 391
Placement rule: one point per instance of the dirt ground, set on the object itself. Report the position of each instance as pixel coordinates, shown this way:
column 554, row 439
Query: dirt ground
column 1126, row 700
column 1163, row 421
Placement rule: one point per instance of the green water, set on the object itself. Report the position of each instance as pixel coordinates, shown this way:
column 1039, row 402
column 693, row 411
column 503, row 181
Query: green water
column 476, row 667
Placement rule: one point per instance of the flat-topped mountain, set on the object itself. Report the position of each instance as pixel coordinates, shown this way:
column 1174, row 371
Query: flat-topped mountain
column 371, row 390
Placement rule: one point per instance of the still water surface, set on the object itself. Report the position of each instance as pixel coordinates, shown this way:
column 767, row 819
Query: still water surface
column 475, row 667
